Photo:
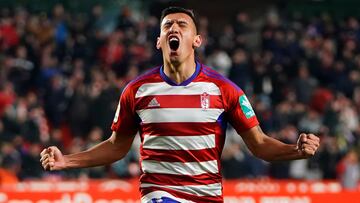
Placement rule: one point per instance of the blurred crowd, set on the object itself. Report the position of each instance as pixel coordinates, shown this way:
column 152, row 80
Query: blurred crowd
column 61, row 75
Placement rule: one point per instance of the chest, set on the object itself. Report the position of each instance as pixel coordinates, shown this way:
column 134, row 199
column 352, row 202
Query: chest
column 196, row 102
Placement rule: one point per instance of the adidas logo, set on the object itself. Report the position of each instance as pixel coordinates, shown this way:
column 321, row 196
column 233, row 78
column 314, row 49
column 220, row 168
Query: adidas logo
column 153, row 103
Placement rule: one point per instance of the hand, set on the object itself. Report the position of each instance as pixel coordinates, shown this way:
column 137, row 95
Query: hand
column 307, row 144
column 52, row 159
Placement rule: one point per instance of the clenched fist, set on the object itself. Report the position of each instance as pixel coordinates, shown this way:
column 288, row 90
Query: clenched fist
column 307, row 144
column 52, row 159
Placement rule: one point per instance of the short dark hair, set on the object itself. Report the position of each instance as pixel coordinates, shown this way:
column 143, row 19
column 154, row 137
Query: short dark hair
column 175, row 9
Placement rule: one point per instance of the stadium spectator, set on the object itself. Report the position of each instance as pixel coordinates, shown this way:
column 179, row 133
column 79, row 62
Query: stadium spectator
column 181, row 142
column 30, row 39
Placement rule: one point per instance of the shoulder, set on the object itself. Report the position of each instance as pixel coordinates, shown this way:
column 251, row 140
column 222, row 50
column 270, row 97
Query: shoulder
column 147, row 77
column 152, row 75
column 221, row 81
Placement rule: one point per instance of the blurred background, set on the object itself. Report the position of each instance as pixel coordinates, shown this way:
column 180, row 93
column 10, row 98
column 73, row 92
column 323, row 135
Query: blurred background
column 63, row 65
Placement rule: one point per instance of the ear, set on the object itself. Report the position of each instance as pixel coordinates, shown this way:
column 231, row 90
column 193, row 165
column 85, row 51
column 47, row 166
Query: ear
column 197, row 41
column 158, row 43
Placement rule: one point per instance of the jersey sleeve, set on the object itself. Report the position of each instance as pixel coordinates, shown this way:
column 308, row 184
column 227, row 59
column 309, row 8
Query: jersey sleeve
column 239, row 110
column 124, row 121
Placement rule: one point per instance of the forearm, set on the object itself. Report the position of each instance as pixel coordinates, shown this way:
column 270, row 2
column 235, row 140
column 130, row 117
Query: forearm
column 103, row 153
column 273, row 150
column 268, row 148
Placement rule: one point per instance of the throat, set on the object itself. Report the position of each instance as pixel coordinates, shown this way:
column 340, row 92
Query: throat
column 177, row 76
column 181, row 73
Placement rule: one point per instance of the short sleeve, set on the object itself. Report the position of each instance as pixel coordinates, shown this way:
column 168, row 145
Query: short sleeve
column 124, row 121
column 239, row 110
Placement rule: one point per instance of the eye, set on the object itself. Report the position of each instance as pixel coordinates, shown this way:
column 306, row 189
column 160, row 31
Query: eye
column 167, row 25
column 182, row 24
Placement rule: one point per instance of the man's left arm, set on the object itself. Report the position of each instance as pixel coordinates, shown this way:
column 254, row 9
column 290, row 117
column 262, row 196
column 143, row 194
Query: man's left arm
column 270, row 149
column 242, row 117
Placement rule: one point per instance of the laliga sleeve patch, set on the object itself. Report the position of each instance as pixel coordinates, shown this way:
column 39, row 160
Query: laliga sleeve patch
column 246, row 106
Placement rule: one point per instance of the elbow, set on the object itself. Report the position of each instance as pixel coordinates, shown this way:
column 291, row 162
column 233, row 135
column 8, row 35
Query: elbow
column 118, row 151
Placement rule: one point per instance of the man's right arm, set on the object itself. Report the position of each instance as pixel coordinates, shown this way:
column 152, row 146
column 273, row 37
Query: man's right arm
column 106, row 152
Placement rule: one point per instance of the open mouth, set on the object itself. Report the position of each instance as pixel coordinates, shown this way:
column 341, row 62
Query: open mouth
column 174, row 43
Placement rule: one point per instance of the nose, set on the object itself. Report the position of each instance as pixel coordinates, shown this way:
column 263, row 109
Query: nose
column 174, row 28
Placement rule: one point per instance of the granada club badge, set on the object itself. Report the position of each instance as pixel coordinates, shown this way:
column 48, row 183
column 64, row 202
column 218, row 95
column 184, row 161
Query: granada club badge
column 205, row 100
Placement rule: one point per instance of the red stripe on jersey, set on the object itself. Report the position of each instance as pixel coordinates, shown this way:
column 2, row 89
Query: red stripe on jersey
column 180, row 155
column 194, row 198
column 177, row 101
column 178, row 129
column 170, row 179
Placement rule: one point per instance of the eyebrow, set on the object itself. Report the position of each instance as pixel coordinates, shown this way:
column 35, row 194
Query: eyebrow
column 175, row 20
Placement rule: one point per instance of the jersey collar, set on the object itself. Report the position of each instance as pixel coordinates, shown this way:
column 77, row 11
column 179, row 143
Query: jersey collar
column 184, row 83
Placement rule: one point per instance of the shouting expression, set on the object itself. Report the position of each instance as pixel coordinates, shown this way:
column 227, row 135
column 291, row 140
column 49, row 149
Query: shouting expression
column 178, row 38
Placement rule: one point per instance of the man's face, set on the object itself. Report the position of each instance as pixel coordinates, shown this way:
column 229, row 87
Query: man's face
column 178, row 37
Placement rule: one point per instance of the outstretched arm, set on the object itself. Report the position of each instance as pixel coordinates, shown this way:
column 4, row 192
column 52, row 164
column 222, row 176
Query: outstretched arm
column 106, row 152
column 270, row 149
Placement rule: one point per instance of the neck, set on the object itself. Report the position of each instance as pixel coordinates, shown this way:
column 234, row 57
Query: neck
column 179, row 72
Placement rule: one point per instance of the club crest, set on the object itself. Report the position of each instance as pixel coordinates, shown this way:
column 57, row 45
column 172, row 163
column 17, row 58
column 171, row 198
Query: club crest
column 205, row 100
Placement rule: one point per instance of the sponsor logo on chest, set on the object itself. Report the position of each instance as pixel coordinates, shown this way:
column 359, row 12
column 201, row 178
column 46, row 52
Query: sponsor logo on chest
column 154, row 103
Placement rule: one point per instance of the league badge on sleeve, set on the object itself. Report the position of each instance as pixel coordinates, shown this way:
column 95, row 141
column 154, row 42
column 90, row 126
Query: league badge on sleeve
column 205, row 100
column 246, row 106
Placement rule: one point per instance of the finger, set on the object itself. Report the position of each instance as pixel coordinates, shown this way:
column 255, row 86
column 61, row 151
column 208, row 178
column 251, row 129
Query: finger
column 46, row 161
column 51, row 165
column 52, row 151
column 49, row 149
column 43, row 157
column 43, row 152
column 46, row 166
column 50, row 159
column 306, row 147
column 303, row 137
column 313, row 137
column 312, row 142
column 308, row 151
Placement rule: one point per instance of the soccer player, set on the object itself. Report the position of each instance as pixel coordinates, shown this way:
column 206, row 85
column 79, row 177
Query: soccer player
column 180, row 110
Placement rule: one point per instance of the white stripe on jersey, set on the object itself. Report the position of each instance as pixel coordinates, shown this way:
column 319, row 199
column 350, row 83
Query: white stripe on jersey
column 179, row 142
column 179, row 168
column 199, row 190
column 162, row 88
column 169, row 115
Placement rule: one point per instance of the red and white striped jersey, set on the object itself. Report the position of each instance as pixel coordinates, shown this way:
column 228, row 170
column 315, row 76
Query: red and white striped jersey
column 182, row 129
